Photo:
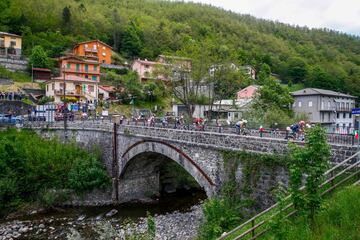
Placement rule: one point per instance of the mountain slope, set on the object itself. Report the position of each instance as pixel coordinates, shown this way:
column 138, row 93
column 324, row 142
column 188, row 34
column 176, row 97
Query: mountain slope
column 140, row 28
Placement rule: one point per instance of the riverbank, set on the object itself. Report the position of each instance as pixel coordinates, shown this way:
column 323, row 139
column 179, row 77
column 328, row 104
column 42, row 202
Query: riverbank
column 174, row 225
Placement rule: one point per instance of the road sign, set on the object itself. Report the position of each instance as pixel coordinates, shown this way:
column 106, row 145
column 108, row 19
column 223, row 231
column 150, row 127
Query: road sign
column 355, row 111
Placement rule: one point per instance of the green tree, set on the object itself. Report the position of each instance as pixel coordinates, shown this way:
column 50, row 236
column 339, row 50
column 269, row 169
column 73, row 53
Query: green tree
column 66, row 15
column 132, row 40
column 311, row 161
column 297, row 70
column 39, row 58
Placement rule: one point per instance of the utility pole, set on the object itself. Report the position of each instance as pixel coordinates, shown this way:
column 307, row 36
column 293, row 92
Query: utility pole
column 65, row 105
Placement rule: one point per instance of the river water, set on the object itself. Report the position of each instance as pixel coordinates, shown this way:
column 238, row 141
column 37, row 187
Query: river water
column 171, row 210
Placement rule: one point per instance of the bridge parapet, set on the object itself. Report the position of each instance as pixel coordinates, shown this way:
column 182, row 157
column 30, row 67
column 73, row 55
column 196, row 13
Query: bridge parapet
column 219, row 141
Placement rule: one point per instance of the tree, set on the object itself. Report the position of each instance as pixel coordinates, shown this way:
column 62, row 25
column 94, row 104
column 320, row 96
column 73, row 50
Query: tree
column 297, row 70
column 132, row 42
column 311, row 161
column 39, row 58
column 66, row 15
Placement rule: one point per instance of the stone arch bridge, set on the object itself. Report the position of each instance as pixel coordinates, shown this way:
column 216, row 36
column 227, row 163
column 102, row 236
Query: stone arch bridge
column 132, row 154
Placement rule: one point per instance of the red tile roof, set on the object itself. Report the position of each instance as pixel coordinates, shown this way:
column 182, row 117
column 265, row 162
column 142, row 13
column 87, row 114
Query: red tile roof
column 96, row 40
column 108, row 88
column 73, row 78
column 42, row 69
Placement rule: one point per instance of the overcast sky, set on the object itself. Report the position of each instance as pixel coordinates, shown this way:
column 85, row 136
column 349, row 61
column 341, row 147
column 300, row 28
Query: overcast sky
column 341, row 15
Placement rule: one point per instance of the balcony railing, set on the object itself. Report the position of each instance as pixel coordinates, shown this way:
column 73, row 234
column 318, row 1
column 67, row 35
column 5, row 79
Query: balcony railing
column 69, row 93
column 81, row 70
column 343, row 109
column 87, row 49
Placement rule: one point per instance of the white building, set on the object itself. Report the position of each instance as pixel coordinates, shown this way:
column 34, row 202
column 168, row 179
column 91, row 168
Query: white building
column 75, row 88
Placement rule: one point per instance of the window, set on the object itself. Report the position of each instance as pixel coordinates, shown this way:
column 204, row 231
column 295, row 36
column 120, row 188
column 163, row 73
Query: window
column 338, row 115
column 95, row 68
column 2, row 42
column 13, row 42
column 294, row 104
column 147, row 66
column 344, row 115
column 344, row 125
column 347, row 106
column 350, row 116
column 86, row 76
column 322, row 105
column 299, row 104
column 77, row 67
column 68, row 66
column 310, row 104
column 86, row 68
column 53, row 86
column 94, row 78
column 349, row 125
column 329, row 105
column 90, row 88
column 104, row 54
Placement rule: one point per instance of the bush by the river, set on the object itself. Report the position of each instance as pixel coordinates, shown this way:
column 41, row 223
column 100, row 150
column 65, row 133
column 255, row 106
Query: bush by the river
column 32, row 167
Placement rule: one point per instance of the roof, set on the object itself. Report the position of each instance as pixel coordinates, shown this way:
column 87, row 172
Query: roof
column 81, row 59
column 72, row 78
column 230, row 102
column 317, row 91
column 96, row 40
column 107, row 88
column 9, row 34
column 146, row 62
column 175, row 57
column 42, row 69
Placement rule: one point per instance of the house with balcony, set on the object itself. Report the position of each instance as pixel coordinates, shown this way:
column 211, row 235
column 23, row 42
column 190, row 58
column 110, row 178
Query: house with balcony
column 80, row 66
column 94, row 49
column 76, row 88
column 146, row 70
column 331, row 109
column 10, row 44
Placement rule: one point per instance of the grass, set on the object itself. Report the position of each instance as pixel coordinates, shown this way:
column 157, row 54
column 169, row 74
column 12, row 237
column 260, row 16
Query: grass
column 339, row 219
column 267, row 215
column 164, row 103
column 15, row 76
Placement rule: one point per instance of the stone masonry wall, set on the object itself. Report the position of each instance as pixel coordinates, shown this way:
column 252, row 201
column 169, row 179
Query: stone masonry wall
column 204, row 148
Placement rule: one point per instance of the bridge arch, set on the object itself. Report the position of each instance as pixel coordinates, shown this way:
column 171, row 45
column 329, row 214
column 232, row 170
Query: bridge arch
column 173, row 153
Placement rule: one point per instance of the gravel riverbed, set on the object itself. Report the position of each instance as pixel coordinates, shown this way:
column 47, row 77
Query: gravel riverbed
column 174, row 225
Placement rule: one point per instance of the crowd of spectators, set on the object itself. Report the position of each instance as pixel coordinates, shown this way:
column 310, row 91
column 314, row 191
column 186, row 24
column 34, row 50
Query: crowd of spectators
column 11, row 96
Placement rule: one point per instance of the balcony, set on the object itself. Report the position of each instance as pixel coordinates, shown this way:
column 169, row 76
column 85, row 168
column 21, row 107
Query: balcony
column 69, row 93
column 93, row 50
column 343, row 109
column 81, row 70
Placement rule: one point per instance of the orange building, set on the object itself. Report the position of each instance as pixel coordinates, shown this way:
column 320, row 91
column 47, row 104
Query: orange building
column 95, row 49
column 82, row 67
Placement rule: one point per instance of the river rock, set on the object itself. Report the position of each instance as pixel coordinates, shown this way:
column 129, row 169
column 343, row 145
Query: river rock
column 24, row 229
column 41, row 226
column 111, row 213
column 82, row 217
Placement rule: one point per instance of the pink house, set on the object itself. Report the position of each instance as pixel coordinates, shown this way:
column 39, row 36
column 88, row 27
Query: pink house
column 247, row 93
column 145, row 69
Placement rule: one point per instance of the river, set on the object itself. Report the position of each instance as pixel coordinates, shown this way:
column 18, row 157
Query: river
column 177, row 216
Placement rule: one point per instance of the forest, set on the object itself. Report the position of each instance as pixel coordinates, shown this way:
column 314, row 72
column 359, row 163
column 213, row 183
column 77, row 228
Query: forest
column 320, row 58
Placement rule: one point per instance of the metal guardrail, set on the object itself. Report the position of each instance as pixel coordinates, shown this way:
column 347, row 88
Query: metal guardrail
column 341, row 139
column 250, row 228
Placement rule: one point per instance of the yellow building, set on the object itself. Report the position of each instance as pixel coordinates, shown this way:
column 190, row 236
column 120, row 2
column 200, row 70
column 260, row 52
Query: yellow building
column 10, row 44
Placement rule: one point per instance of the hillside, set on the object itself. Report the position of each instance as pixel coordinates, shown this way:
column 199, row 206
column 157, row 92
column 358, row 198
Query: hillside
column 139, row 28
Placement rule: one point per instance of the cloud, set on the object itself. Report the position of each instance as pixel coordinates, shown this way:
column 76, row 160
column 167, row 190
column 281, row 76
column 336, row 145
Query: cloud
column 341, row 15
